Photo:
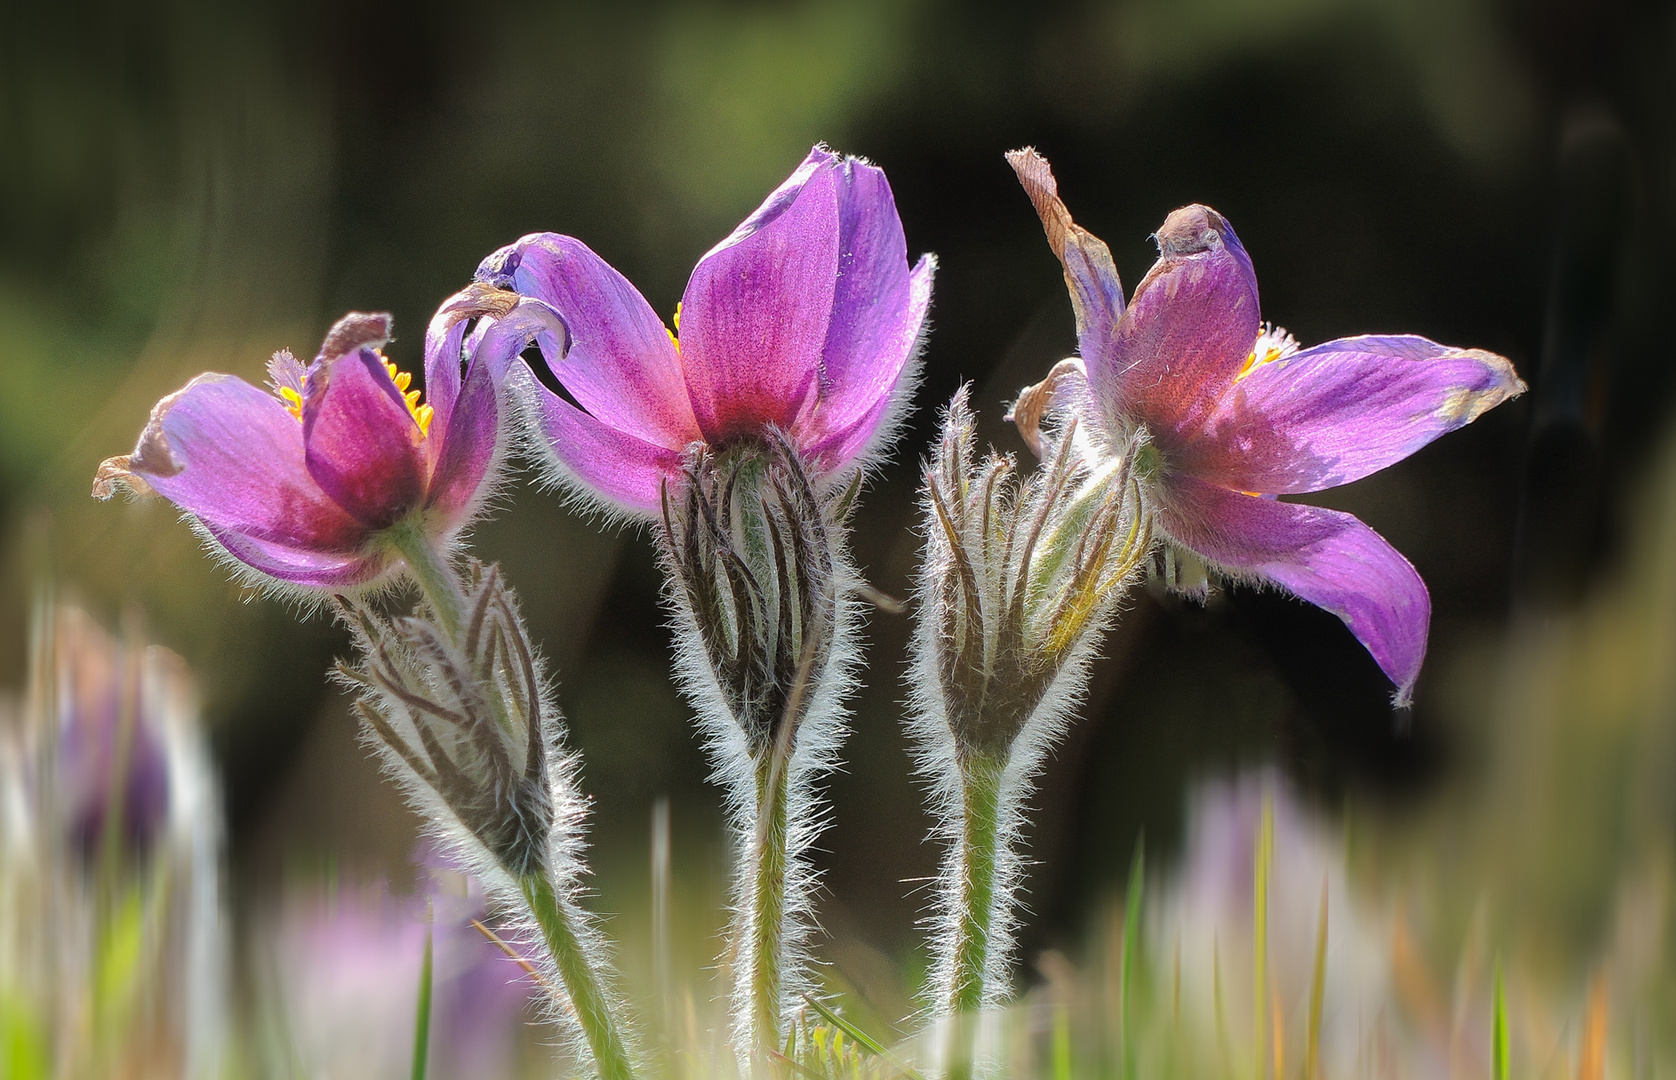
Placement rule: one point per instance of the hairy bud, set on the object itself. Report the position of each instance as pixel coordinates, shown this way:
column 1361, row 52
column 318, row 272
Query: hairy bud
column 1020, row 575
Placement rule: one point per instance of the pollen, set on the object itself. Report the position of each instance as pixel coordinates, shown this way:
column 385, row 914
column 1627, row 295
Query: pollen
column 675, row 334
column 421, row 413
column 1273, row 343
column 293, row 402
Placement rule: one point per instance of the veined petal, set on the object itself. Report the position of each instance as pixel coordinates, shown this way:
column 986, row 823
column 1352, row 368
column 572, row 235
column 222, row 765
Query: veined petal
column 844, row 429
column 362, row 446
column 621, row 366
column 445, row 353
column 473, row 437
column 1187, row 331
column 1339, row 411
column 231, row 455
column 1090, row 274
column 612, row 463
column 1323, row 556
column 756, row 312
column 878, row 306
column 316, row 569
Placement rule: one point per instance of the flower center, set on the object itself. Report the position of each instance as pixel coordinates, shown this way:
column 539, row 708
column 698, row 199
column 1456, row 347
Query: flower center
column 1273, row 343
column 422, row 414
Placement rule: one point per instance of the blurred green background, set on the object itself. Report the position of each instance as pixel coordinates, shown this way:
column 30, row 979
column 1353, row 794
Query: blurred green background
column 192, row 186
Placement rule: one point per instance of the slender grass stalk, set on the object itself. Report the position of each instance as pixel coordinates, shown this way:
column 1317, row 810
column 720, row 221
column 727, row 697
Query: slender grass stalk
column 1498, row 1028
column 422, row 1012
column 1131, row 949
column 1317, row 986
column 1261, row 871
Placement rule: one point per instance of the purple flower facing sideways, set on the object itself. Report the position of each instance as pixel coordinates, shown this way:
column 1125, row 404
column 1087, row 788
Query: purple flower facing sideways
column 805, row 320
column 1232, row 413
column 300, row 482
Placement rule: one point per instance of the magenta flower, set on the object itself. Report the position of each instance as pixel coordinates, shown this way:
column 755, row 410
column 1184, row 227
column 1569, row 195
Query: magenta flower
column 305, row 483
column 806, row 319
column 1228, row 413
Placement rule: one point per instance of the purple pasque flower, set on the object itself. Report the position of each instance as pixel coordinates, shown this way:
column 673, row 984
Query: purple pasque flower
column 806, row 319
column 1231, row 413
column 299, row 483
column 112, row 755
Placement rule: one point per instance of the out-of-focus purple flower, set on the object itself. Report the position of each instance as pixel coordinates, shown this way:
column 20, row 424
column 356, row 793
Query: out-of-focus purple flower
column 347, row 966
column 113, row 768
column 1233, row 413
column 299, row 483
column 806, row 320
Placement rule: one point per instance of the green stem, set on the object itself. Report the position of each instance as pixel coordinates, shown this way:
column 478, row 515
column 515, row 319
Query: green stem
column 765, row 980
column 422, row 1013
column 435, row 577
column 976, row 881
column 581, row 982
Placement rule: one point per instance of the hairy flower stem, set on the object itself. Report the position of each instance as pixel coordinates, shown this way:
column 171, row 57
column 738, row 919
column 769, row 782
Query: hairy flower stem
column 767, row 860
column 974, row 877
column 436, row 579
column 558, row 921
column 581, row 981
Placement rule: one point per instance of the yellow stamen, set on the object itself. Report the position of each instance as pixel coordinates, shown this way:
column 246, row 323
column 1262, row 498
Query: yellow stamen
column 421, row 414
column 674, row 335
column 1272, row 344
column 293, row 401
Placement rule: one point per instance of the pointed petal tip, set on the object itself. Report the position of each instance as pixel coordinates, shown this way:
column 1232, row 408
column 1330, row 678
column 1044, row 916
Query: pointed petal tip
column 356, row 330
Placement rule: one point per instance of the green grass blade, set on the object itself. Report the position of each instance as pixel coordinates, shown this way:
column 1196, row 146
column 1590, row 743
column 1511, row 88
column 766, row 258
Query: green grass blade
column 1061, row 1042
column 1264, row 867
column 422, row 1019
column 1498, row 1028
column 861, row 1037
column 1131, row 945
column 1312, row 1048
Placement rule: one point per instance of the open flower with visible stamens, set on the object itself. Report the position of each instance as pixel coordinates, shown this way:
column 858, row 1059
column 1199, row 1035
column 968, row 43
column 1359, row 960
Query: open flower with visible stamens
column 1232, row 413
column 313, row 484
column 806, row 320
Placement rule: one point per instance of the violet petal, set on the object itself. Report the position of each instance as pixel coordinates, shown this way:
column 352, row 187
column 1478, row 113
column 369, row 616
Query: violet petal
column 621, row 365
column 1328, row 558
column 878, row 310
column 613, row 463
column 362, row 446
column 231, row 455
column 1339, row 411
column 1186, row 334
column 755, row 315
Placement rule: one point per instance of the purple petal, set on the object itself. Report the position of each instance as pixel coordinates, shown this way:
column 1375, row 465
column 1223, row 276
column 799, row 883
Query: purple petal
column 362, row 446
column 837, row 446
column 878, row 308
column 232, row 456
column 1090, row 274
column 1186, row 334
column 1323, row 556
column 621, row 366
column 1337, row 412
column 299, row 566
column 472, row 439
column 614, row 464
column 755, row 316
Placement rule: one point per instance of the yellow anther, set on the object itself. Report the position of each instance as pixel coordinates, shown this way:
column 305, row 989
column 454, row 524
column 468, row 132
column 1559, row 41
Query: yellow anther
column 675, row 334
column 293, row 401
column 421, row 413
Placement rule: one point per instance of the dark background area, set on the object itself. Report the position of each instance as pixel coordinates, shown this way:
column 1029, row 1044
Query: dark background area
column 186, row 188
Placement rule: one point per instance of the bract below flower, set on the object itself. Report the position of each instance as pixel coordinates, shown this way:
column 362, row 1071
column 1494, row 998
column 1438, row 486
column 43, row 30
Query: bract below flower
column 806, row 320
column 1233, row 413
column 303, row 483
